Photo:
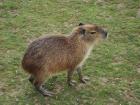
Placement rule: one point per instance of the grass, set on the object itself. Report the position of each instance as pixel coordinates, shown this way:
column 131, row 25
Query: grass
column 113, row 67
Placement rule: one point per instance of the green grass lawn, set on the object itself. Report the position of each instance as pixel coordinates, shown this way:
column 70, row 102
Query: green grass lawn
column 113, row 67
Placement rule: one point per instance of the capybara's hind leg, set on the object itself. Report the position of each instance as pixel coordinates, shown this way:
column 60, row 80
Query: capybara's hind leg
column 38, row 83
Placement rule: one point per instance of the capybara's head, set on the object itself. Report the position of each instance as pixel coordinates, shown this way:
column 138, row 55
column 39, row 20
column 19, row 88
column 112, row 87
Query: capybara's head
column 91, row 32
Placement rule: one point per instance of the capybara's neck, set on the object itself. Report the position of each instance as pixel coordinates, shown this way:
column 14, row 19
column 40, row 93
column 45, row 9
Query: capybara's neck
column 77, row 38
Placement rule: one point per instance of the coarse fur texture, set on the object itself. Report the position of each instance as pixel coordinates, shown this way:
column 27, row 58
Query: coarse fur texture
column 52, row 54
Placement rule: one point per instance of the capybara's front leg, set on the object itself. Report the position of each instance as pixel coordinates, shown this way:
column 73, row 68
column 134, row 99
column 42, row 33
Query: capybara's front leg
column 82, row 80
column 69, row 78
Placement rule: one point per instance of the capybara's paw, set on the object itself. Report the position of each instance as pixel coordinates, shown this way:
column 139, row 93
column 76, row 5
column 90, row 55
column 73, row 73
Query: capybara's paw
column 47, row 93
column 44, row 91
column 84, row 80
column 72, row 83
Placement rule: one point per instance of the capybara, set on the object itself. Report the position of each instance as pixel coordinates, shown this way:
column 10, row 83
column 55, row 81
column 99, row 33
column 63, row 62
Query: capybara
column 53, row 54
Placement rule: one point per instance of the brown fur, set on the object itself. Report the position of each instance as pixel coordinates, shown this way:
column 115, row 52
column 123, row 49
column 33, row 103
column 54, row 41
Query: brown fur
column 53, row 54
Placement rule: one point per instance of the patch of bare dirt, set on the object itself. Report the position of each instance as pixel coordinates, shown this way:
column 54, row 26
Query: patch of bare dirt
column 118, row 60
column 58, row 88
column 13, row 12
column 86, row 1
column 103, row 81
column 138, row 13
column 129, row 95
column 80, row 86
column 120, row 6
column 138, row 68
column 112, row 101
column 100, row 2
column 2, row 89
column 1, row 66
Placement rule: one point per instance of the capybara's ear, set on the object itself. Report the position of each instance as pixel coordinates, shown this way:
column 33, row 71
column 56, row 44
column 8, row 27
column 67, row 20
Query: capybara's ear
column 80, row 24
column 82, row 31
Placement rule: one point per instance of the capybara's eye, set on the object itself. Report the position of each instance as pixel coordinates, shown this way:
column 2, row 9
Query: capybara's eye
column 92, row 32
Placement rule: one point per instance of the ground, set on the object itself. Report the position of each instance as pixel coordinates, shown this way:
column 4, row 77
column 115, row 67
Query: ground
column 113, row 67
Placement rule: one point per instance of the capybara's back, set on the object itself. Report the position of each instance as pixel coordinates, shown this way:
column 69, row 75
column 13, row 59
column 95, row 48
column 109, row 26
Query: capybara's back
column 49, row 55
column 53, row 54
